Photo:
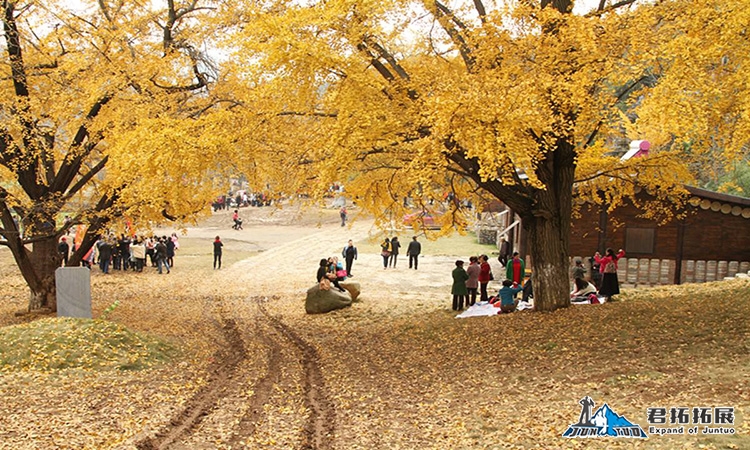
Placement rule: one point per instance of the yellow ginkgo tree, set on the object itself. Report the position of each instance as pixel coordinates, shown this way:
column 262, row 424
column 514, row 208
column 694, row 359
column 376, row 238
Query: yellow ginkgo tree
column 103, row 116
column 515, row 100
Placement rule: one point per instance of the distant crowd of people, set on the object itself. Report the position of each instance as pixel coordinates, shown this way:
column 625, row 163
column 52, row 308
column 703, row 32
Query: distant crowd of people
column 241, row 199
column 126, row 253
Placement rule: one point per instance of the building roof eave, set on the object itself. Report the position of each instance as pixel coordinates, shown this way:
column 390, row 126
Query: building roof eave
column 711, row 195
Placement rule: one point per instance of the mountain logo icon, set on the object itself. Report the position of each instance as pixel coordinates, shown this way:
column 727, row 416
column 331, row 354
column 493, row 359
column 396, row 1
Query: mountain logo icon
column 603, row 422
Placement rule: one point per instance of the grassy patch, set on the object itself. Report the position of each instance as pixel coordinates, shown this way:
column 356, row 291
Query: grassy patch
column 65, row 343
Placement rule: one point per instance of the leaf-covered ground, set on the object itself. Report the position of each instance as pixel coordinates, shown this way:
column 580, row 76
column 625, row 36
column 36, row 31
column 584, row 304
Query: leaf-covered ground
column 245, row 367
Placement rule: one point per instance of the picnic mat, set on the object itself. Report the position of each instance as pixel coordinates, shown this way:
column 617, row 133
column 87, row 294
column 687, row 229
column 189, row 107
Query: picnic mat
column 485, row 309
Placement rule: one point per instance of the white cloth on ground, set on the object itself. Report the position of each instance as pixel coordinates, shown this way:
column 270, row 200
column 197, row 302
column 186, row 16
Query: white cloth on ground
column 479, row 309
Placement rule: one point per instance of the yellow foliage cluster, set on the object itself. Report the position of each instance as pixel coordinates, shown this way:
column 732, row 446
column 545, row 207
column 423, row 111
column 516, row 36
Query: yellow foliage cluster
column 534, row 78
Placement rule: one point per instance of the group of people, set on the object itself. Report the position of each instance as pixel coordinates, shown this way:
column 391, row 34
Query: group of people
column 478, row 274
column 331, row 272
column 603, row 275
column 470, row 282
column 390, row 249
column 125, row 253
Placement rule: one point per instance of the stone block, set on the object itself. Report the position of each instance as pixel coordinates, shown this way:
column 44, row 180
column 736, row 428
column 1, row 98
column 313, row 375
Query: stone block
column 627, row 269
column 487, row 236
column 721, row 270
column 654, row 272
column 711, row 269
column 73, row 285
column 733, row 268
column 668, row 268
column 700, row 271
column 688, row 271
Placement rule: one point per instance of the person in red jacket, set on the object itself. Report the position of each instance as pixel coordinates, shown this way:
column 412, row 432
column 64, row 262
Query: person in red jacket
column 485, row 272
column 608, row 267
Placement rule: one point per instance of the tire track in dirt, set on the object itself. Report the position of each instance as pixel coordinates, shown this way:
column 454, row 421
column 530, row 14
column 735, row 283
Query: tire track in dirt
column 263, row 389
column 320, row 425
column 221, row 375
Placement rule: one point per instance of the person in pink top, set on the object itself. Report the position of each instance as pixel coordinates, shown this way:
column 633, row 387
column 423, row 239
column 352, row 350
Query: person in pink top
column 608, row 267
column 473, row 282
column 484, row 277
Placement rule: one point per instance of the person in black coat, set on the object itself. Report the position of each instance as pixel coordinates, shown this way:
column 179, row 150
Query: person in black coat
column 64, row 250
column 350, row 254
column 170, row 251
column 323, row 271
column 105, row 255
column 395, row 245
column 161, row 254
column 505, row 252
column 413, row 251
column 217, row 252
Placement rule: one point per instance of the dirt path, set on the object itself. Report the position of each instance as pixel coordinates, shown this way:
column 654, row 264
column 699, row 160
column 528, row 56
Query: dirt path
column 267, row 362
column 221, row 375
column 320, row 425
column 288, row 358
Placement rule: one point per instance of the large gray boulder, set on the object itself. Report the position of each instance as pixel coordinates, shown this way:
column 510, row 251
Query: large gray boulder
column 352, row 287
column 320, row 302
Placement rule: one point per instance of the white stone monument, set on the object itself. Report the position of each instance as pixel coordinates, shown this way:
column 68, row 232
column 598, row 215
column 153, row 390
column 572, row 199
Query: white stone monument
column 73, row 286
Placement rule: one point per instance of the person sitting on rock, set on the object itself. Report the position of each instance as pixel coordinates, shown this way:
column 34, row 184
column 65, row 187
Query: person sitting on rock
column 325, row 271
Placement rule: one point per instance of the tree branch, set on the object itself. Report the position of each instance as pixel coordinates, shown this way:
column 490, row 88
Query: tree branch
column 307, row 114
column 449, row 22
column 202, row 82
column 627, row 90
column 86, row 178
column 388, row 58
column 380, row 67
column 72, row 164
column 603, row 10
column 481, row 11
column 13, row 47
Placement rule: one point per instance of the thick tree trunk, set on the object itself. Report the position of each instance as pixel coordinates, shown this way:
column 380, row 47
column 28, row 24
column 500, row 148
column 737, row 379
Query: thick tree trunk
column 548, row 226
column 548, row 245
column 44, row 261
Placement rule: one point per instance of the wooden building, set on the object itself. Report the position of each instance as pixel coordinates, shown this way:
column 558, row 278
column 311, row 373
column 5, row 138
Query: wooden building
column 710, row 243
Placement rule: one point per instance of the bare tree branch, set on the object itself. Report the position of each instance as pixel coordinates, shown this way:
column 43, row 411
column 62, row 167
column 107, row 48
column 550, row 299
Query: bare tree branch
column 71, row 165
column 388, row 58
